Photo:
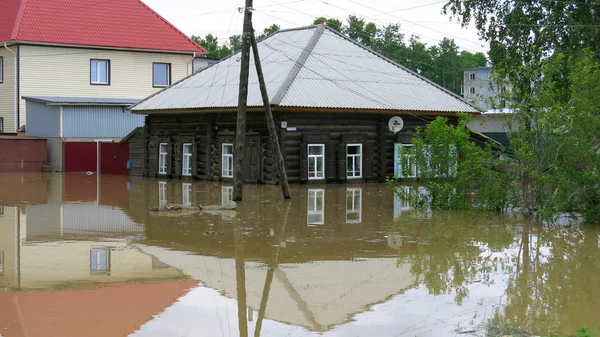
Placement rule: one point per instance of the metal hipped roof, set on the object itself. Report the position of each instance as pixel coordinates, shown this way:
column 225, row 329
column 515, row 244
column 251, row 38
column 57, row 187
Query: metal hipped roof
column 54, row 100
column 311, row 67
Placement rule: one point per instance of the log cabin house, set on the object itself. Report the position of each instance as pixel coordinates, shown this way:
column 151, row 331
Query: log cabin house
column 332, row 100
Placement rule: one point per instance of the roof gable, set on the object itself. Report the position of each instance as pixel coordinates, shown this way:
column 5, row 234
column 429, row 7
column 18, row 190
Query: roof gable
column 311, row 67
column 128, row 24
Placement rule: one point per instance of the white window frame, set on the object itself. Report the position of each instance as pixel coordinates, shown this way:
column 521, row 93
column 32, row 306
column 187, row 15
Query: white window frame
column 97, row 268
column 168, row 75
column 97, row 71
column 226, row 195
column 186, row 162
column 186, row 194
column 399, row 173
column 162, row 194
column 354, row 205
column 472, row 76
column 1, row 69
column 352, row 157
column 471, row 90
column 312, row 207
column 226, row 161
column 316, row 158
column 162, row 158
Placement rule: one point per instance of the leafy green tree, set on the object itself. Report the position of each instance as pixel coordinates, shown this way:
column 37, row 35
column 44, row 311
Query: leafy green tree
column 330, row 22
column 268, row 31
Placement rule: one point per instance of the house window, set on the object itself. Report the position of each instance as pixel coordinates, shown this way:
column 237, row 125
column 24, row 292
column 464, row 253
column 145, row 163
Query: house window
column 100, row 72
column 1, row 124
column 162, row 193
column 162, row 158
column 316, row 207
column 186, row 194
column 100, row 261
column 161, row 74
column 227, row 158
column 226, row 195
column 353, row 205
column 471, row 90
column 186, row 169
column 462, row 90
column 316, row 161
column 1, row 69
column 404, row 161
column 472, row 76
column 354, row 160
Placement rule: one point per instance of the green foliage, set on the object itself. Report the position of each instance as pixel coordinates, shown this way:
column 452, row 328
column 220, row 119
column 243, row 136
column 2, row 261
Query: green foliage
column 456, row 173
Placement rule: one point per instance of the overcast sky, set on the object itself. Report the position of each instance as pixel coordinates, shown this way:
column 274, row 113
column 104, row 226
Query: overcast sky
column 221, row 18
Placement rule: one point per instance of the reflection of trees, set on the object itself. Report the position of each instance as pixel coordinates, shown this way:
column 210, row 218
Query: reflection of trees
column 451, row 251
column 554, row 273
column 556, row 284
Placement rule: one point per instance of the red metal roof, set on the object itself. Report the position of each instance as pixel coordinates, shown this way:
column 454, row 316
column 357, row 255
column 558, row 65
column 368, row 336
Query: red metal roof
column 126, row 24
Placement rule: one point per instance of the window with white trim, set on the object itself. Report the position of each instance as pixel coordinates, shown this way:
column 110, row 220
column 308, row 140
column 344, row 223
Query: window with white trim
column 162, row 158
column 354, row 161
column 162, row 194
column 227, row 160
column 353, row 205
column 471, row 90
column 316, row 161
column 315, row 214
column 226, row 195
column 186, row 194
column 405, row 165
column 100, row 72
column 186, row 167
column 1, row 69
column 161, row 75
column 472, row 76
column 99, row 261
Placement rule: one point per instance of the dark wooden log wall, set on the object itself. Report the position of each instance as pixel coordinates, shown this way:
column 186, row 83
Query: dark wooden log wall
column 207, row 133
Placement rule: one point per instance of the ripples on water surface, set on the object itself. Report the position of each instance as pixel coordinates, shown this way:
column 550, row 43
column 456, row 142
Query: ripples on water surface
column 82, row 256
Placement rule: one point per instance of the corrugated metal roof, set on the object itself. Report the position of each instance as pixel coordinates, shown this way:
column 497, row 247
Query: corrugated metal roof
column 56, row 100
column 311, row 67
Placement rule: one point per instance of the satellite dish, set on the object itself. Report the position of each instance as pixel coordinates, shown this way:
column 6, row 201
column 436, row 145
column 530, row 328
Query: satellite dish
column 395, row 124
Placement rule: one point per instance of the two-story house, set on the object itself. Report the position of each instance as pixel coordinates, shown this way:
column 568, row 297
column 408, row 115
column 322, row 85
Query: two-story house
column 119, row 49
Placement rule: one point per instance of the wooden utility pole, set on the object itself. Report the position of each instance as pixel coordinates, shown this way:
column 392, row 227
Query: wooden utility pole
column 240, row 133
column 285, row 187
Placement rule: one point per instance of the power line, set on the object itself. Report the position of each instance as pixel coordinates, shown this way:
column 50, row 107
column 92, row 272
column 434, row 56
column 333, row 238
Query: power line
column 414, row 7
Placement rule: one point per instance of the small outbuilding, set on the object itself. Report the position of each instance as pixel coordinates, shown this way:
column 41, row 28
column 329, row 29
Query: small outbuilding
column 343, row 112
column 78, row 128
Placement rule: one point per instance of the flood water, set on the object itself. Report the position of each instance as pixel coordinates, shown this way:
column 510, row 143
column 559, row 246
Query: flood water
column 82, row 256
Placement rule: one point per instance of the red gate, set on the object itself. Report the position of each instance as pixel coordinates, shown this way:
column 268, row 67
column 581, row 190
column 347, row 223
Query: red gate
column 80, row 157
column 113, row 158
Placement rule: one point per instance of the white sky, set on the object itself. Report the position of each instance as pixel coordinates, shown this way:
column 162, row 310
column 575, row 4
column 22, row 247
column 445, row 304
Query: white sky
column 221, row 18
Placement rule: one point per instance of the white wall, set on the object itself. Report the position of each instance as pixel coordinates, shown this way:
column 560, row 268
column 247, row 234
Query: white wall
column 7, row 90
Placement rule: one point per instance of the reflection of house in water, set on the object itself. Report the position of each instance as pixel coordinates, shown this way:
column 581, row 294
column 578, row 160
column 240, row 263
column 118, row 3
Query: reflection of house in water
column 402, row 201
column 80, row 235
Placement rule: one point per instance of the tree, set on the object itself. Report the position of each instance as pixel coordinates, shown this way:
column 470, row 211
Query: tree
column 268, row 31
column 330, row 22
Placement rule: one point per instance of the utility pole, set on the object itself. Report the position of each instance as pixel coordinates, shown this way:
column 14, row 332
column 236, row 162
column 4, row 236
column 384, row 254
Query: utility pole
column 285, row 187
column 240, row 133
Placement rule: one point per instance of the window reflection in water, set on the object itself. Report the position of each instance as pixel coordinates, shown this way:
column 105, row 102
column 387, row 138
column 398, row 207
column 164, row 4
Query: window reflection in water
column 162, row 193
column 186, row 194
column 316, row 207
column 353, row 205
column 226, row 195
column 402, row 201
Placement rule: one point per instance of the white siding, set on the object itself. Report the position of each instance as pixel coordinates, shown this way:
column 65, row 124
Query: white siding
column 7, row 90
column 58, row 71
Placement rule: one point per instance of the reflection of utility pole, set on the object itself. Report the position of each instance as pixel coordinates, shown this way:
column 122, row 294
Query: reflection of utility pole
column 240, row 132
column 285, row 187
column 273, row 265
column 240, row 278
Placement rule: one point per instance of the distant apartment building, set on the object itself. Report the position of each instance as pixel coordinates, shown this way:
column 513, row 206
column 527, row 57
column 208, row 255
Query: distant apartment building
column 496, row 119
column 478, row 88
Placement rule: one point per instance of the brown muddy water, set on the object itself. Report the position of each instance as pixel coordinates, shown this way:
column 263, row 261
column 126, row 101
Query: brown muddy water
column 82, row 256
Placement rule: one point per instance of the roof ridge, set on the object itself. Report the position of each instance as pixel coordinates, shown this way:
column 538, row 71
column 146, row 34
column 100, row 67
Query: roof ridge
column 17, row 25
column 439, row 87
column 170, row 25
column 298, row 65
